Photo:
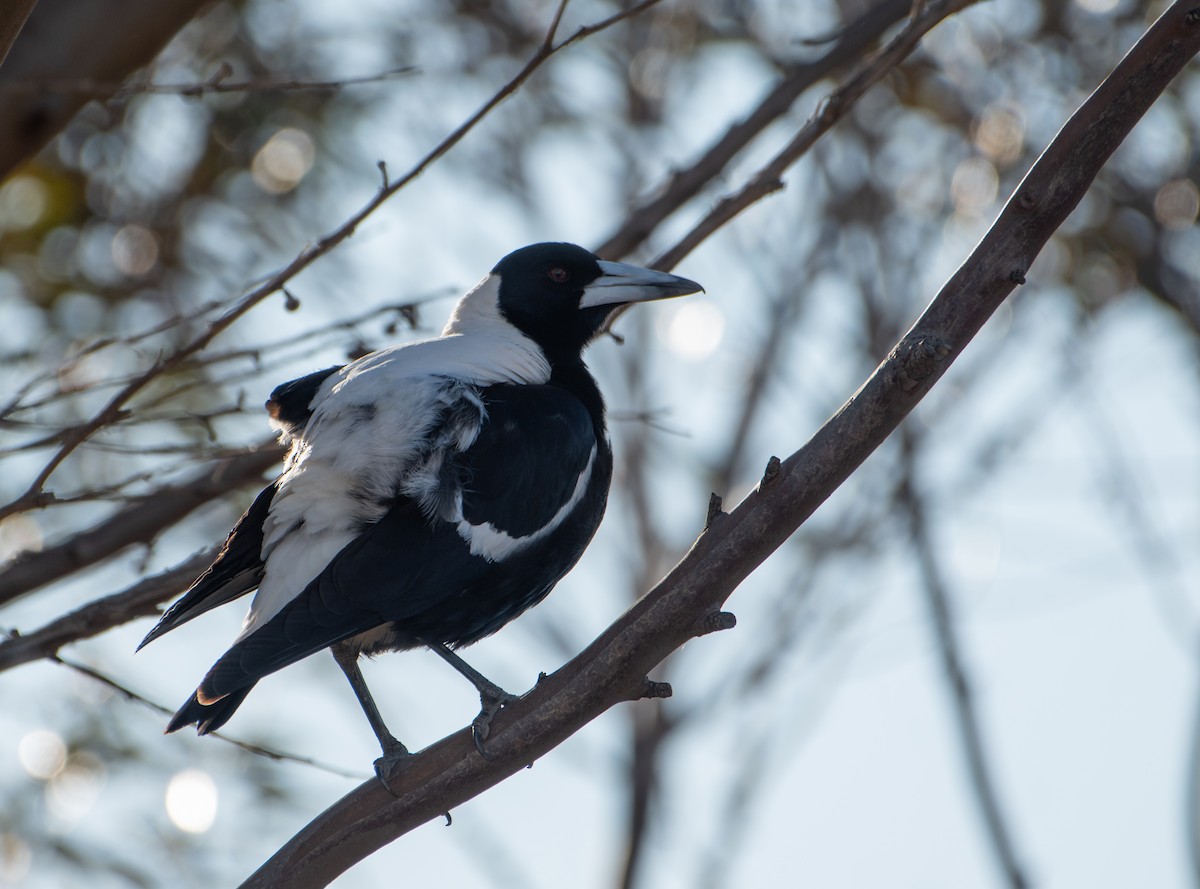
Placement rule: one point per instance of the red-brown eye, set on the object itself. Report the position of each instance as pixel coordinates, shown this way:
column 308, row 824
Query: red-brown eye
column 558, row 275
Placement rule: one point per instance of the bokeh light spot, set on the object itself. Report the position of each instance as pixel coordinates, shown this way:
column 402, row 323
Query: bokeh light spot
column 23, row 202
column 1177, row 204
column 134, row 250
column 15, row 859
column 1097, row 7
column 283, row 161
column 191, row 801
column 1000, row 133
column 974, row 186
column 694, row 330
column 73, row 791
column 42, row 754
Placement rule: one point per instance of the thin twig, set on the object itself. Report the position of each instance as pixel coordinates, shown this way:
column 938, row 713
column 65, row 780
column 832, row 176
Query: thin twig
column 954, row 667
column 110, row 91
column 138, row 523
column 142, row 599
column 769, row 179
column 256, row 749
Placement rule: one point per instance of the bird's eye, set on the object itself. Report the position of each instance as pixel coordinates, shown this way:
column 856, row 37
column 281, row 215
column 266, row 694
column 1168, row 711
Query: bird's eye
column 558, row 275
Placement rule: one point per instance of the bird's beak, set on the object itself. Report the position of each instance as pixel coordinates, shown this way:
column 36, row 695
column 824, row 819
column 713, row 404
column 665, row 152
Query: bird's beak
column 624, row 283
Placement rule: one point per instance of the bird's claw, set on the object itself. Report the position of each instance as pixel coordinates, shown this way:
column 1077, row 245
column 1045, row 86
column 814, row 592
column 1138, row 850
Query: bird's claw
column 395, row 759
column 481, row 727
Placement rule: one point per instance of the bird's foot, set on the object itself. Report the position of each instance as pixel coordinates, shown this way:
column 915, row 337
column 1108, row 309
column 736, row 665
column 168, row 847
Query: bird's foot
column 491, row 701
column 395, row 759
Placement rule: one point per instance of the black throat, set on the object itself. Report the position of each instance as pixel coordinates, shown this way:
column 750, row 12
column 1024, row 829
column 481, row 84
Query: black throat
column 570, row 373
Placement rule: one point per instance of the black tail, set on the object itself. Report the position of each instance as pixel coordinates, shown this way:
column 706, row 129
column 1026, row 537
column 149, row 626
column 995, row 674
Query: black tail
column 207, row 717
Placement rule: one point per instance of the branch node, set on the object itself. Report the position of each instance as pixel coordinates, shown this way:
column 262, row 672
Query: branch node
column 714, row 511
column 714, row 622
column 449, row 820
column 1026, row 200
column 383, row 173
column 770, row 473
column 1017, row 276
column 290, row 303
column 920, row 359
column 652, row 689
column 1192, row 17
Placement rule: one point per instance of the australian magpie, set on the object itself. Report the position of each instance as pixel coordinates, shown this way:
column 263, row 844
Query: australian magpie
column 432, row 492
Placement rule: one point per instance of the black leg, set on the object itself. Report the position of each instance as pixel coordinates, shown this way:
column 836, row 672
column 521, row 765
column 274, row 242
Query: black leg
column 393, row 750
column 492, row 698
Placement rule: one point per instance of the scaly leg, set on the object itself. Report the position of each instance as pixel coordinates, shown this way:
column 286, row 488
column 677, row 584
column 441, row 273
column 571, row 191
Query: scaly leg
column 393, row 751
column 492, row 698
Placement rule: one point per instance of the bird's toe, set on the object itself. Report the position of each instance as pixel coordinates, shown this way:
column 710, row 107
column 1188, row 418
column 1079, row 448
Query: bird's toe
column 390, row 765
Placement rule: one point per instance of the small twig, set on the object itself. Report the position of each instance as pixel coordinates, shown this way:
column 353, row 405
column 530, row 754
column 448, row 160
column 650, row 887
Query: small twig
column 954, row 667
column 112, row 91
column 837, row 104
column 256, row 749
column 138, row 523
column 686, row 183
column 548, row 40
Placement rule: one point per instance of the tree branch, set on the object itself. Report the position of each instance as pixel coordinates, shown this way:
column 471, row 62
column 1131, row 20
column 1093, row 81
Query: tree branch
column 219, row 83
column 12, row 20
column 769, row 179
column 958, row 681
column 685, row 184
column 103, row 40
column 614, row 667
column 139, row 523
column 140, row 600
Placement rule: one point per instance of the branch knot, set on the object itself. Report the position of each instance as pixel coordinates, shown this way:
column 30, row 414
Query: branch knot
column 920, row 357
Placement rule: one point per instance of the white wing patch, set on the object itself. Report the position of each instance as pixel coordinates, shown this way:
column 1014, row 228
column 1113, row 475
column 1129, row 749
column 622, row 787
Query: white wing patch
column 493, row 544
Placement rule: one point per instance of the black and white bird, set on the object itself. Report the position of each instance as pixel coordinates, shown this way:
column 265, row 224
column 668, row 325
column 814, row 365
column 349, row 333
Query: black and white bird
column 433, row 491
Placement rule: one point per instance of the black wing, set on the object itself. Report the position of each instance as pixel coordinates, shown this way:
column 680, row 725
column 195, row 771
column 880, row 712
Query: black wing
column 419, row 574
column 237, row 570
column 527, row 459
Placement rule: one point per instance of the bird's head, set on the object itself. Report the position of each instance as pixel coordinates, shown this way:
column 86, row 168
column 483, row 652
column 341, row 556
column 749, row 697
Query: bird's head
column 561, row 295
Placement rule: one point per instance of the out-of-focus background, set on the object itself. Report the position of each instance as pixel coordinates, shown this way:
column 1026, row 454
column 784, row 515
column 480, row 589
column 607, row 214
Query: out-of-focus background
column 1044, row 499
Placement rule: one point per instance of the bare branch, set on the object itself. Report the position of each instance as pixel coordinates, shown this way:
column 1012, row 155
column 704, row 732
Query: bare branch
column 769, row 179
column 12, row 19
column 115, row 90
column 685, row 184
column 93, row 39
column 613, row 668
column 956, row 671
column 256, row 749
column 138, row 523
column 140, row 600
